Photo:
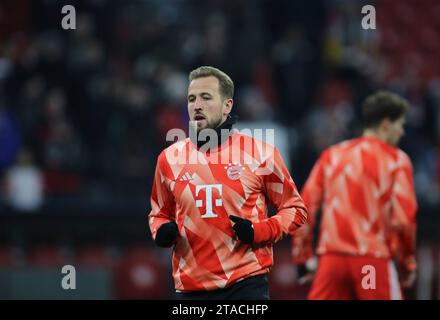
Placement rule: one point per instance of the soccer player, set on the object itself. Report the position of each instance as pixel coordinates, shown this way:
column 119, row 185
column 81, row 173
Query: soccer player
column 214, row 212
column 365, row 187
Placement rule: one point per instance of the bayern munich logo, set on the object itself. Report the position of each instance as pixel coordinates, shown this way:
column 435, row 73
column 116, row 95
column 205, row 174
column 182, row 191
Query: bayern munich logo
column 234, row 171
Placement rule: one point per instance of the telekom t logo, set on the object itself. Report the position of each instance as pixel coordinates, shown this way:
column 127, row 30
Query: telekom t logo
column 218, row 202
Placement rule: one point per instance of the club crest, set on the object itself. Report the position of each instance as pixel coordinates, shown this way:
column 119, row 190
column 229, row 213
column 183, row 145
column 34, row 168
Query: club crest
column 234, row 171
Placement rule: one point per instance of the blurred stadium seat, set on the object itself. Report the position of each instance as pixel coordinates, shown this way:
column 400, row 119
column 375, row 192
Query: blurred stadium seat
column 140, row 275
column 8, row 258
column 94, row 256
column 46, row 256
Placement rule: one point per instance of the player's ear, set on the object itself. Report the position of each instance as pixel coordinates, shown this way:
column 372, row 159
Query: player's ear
column 227, row 106
column 385, row 125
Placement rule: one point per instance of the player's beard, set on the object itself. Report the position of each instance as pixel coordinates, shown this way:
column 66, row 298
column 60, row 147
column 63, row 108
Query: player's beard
column 217, row 126
column 210, row 124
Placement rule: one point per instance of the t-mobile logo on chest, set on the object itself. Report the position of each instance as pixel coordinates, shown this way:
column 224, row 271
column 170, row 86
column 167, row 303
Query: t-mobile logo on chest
column 208, row 190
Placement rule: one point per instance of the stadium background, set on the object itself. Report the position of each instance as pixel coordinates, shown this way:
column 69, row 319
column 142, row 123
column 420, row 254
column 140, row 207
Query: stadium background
column 84, row 113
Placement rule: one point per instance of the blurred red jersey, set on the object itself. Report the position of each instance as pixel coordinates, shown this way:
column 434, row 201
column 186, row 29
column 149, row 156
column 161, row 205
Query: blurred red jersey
column 236, row 179
column 369, row 205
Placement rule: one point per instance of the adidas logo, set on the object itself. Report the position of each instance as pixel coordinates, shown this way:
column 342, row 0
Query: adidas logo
column 186, row 177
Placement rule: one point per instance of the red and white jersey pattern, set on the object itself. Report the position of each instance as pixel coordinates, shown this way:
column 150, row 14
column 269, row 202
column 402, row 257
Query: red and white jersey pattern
column 201, row 195
column 366, row 190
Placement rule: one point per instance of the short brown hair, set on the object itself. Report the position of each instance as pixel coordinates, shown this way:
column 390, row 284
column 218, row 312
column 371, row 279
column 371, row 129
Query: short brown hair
column 383, row 105
column 226, row 84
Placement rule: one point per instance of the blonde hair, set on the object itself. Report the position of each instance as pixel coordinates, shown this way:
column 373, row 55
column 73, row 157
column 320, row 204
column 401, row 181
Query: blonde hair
column 226, row 84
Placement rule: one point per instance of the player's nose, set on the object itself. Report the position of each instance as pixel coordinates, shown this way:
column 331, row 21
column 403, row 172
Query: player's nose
column 198, row 104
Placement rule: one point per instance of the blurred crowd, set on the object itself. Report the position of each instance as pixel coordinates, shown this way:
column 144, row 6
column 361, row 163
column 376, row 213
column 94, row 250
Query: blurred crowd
column 84, row 113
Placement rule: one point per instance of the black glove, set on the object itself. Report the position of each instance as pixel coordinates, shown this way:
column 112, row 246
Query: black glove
column 302, row 270
column 166, row 234
column 243, row 229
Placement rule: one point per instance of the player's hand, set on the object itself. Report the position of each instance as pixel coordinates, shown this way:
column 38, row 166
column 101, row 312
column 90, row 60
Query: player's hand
column 408, row 279
column 304, row 275
column 167, row 234
column 243, row 229
column 306, row 272
column 306, row 278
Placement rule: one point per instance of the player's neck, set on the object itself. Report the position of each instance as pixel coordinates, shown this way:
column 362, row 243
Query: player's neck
column 377, row 134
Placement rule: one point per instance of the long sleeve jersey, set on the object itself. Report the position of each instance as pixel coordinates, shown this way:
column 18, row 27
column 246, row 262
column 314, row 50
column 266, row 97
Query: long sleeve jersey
column 200, row 190
column 365, row 188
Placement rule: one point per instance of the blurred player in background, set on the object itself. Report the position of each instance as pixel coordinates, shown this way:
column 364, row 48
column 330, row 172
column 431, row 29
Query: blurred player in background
column 365, row 186
column 214, row 213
